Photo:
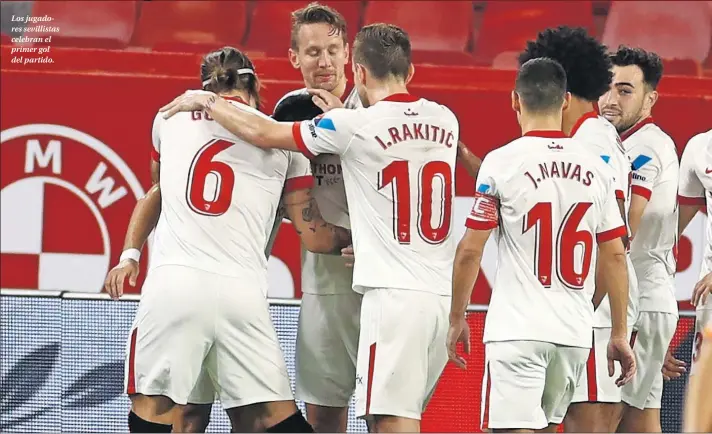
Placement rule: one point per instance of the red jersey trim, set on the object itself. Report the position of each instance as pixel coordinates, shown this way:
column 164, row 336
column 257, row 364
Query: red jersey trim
column 235, row 98
column 634, row 129
column 547, row 134
column 297, row 135
column 640, row 191
column 401, row 97
column 155, row 156
column 586, row 116
column 611, row 235
column 298, row 183
column 480, row 225
column 620, row 195
column 684, row 200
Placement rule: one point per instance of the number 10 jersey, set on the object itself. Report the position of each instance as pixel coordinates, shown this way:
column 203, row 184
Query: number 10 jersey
column 551, row 202
column 219, row 196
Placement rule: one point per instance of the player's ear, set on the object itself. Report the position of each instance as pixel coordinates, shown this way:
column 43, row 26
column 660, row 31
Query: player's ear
column 411, row 73
column 567, row 101
column 294, row 59
column 346, row 53
column 516, row 106
column 359, row 73
column 651, row 98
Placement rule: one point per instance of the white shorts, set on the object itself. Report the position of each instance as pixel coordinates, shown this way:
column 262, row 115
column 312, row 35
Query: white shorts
column 528, row 384
column 650, row 342
column 327, row 343
column 703, row 318
column 401, row 351
column 191, row 323
column 595, row 384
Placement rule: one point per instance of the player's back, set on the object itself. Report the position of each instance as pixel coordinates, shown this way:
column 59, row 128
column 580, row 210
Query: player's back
column 554, row 200
column 219, row 197
column 402, row 160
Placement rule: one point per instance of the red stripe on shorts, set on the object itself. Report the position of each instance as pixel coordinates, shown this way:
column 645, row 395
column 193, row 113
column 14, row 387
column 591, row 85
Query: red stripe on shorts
column 369, row 384
column 632, row 338
column 131, row 383
column 591, row 373
column 485, row 415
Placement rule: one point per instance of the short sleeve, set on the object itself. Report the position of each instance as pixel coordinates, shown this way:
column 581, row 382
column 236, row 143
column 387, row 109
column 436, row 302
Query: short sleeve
column 156, row 138
column 646, row 167
column 621, row 175
column 299, row 175
column 485, row 210
column 330, row 133
column 691, row 191
column 611, row 224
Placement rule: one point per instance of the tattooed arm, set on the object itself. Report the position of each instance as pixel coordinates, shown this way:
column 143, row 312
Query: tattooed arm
column 317, row 235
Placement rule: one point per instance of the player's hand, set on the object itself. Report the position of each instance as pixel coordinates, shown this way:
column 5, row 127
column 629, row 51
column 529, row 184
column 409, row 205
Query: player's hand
column 348, row 254
column 701, row 291
column 672, row 368
column 114, row 283
column 619, row 350
column 325, row 100
column 459, row 332
column 189, row 101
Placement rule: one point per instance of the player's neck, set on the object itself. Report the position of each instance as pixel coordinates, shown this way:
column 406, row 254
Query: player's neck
column 576, row 109
column 385, row 89
column 239, row 94
column 548, row 122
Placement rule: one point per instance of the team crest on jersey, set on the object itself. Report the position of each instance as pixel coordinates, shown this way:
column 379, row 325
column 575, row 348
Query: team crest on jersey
column 66, row 200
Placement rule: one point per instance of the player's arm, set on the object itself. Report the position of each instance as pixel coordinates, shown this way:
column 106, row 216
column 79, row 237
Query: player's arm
column 698, row 418
column 316, row 234
column 466, row 267
column 143, row 220
column 690, row 190
column 647, row 168
column 470, row 161
column 263, row 132
column 612, row 274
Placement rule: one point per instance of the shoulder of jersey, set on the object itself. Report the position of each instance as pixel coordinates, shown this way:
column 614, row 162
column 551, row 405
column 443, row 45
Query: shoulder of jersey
column 700, row 141
column 301, row 91
column 249, row 109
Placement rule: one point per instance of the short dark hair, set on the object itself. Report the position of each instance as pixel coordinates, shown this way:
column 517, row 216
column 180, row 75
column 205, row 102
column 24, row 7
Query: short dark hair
column 648, row 62
column 585, row 60
column 541, row 85
column 315, row 13
column 220, row 72
column 296, row 108
column 384, row 49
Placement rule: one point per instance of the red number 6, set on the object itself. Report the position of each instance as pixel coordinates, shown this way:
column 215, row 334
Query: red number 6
column 202, row 167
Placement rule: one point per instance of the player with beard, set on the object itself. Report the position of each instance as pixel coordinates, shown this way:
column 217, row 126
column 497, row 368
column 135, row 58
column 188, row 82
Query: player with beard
column 398, row 155
column 597, row 404
column 653, row 218
column 330, row 309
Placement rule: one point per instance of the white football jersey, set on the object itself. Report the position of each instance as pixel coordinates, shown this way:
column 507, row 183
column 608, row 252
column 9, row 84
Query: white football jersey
column 551, row 203
column 219, row 196
column 655, row 176
column 695, row 186
column 328, row 274
column 601, row 137
column 398, row 160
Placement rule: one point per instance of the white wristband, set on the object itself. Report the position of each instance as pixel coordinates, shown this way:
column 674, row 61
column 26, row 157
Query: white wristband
column 134, row 254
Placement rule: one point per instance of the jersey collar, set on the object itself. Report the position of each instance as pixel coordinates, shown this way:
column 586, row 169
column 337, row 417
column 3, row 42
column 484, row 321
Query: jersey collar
column 547, row 134
column 401, row 97
column 632, row 130
column 235, row 98
column 586, row 116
